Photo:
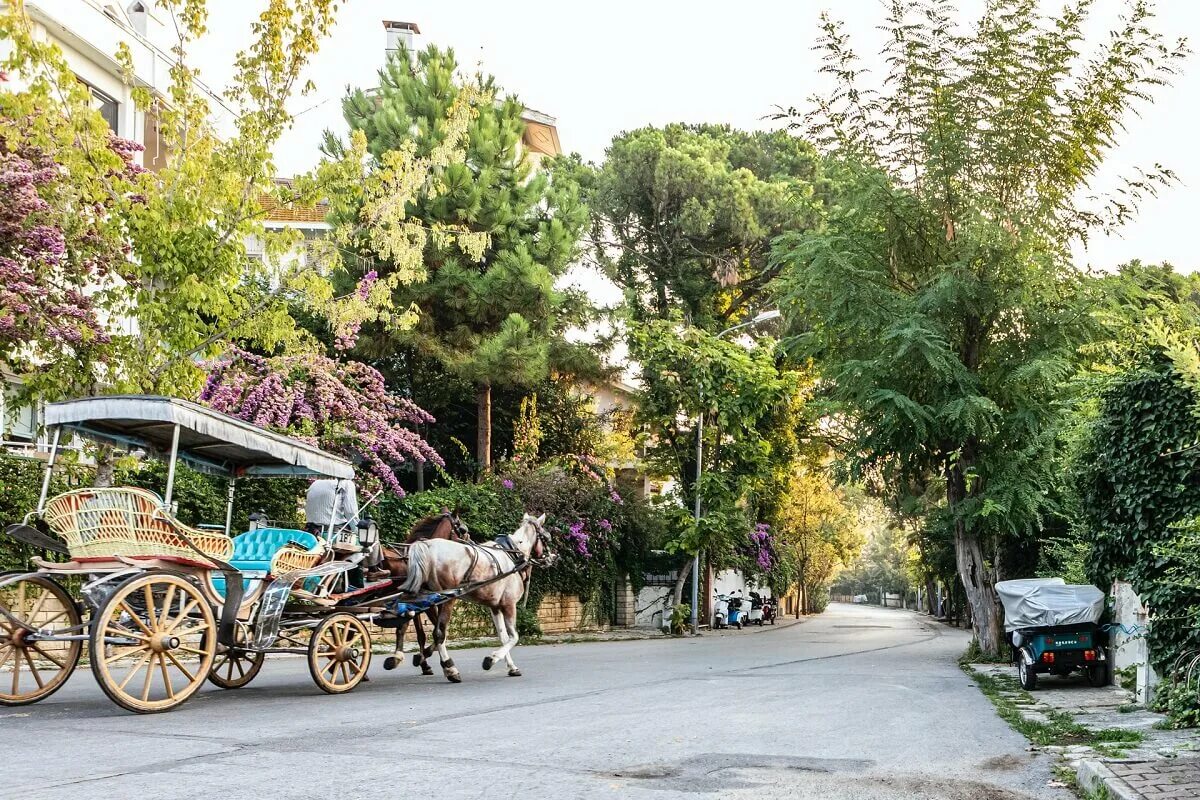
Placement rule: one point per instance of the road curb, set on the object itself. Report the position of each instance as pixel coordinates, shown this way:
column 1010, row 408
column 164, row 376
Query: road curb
column 1096, row 778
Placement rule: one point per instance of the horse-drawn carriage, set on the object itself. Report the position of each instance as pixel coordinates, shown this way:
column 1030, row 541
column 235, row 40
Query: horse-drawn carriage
column 162, row 606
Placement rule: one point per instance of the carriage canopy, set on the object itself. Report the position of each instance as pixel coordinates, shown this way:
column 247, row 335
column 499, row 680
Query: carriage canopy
column 208, row 440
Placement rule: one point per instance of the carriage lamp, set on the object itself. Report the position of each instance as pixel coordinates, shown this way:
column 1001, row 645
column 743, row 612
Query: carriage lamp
column 368, row 532
column 1048, row 658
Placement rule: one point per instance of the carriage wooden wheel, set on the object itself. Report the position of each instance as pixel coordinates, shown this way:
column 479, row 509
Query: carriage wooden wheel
column 38, row 668
column 233, row 668
column 339, row 653
column 153, row 642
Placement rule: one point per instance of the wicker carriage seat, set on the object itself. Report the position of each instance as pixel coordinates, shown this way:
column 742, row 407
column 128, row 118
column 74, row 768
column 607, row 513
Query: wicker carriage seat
column 129, row 522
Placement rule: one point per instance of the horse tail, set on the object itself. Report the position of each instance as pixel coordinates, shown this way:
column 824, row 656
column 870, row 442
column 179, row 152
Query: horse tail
column 415, row 580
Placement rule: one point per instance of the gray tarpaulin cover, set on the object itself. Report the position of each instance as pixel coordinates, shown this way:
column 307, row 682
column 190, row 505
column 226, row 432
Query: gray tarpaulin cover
column 1040, row 602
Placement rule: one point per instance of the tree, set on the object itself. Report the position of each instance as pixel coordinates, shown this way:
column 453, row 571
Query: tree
column 683, row 217
column 940, row 299
column 63, row 177
column 180, row 285
column 816, row 531
column 740, row 392
column 489, row 313
column 343, row 407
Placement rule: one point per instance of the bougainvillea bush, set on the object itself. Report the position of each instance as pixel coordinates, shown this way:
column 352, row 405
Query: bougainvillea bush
column 342, row 406
column 57, row 249
column 599, row 533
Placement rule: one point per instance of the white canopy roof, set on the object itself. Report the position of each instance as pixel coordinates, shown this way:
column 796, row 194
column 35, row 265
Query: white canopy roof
column 209, row 440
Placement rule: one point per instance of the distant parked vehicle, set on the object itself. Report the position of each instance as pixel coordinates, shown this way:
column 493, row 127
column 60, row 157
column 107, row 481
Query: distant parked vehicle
column 720, row 612
column 768, row 610
column 860, row 598
column 737, row 617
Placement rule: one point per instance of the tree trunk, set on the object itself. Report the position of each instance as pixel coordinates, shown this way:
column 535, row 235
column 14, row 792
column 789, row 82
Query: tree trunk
column 978, row 586
column 483, row 440
column 684, row 572
column 106, row 463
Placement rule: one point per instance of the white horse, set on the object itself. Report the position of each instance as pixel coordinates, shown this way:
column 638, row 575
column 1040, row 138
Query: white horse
column 443, row 565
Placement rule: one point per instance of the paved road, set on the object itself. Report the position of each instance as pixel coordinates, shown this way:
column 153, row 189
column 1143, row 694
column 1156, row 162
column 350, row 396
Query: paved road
column 858, row 703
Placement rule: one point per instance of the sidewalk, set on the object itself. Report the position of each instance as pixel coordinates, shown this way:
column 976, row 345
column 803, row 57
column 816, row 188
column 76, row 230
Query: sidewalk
column 1164, row 765
column 1164, row 779
column 627, row 634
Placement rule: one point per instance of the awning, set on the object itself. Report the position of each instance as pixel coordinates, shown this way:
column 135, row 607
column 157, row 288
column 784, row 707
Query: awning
column 209, row 440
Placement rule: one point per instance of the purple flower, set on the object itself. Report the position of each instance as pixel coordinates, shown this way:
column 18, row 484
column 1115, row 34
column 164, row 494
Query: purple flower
column 616, row 498
column 507, row 483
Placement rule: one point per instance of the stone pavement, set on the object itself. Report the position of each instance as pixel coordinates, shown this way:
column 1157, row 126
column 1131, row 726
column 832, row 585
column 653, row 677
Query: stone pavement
column 1176, row 779
column 1164, row 766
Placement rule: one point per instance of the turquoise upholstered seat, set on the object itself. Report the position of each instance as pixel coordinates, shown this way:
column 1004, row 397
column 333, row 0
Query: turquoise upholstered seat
column 253, row 551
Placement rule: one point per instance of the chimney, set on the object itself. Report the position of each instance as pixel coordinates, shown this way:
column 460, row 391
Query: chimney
column 138, row 15
column 400, row 34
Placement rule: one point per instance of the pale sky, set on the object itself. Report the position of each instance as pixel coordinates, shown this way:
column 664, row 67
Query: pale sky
column 606, row 67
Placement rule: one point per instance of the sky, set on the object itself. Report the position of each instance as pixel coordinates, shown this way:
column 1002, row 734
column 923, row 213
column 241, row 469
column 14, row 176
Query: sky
column 606, row 67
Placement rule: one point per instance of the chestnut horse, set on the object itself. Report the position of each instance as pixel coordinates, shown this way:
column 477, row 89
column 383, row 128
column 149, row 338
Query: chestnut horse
column 445, row 525
column 499, row 571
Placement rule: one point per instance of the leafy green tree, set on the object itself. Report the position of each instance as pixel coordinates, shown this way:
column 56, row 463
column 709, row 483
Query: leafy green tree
column 940, row 298
column 180, row 287
column 741, row 393
column 683, row 217
column 489, row 313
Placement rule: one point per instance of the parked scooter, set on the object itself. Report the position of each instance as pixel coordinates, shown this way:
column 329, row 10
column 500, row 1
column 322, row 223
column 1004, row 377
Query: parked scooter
column 768, row 610
column 756, row 609
column 720, row 612
column 736, row 615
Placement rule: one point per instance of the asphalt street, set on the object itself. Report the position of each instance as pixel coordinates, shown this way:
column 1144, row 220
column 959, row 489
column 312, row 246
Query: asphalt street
column 858, row 703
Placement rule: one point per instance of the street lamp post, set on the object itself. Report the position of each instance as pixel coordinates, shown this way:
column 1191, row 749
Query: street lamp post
column 760, row 317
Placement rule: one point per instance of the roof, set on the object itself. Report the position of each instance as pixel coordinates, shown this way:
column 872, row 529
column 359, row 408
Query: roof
column 292, row 212
column 209, row 440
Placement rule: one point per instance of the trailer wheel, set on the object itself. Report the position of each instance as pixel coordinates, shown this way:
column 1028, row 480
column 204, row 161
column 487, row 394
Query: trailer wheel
column 1098, row 675
column 1026, row 674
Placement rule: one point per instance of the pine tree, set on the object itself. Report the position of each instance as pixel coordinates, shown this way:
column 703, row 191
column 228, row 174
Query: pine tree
column 492, row 316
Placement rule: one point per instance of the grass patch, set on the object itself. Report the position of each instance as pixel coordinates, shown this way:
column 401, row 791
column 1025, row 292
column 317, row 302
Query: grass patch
column 974, row 655
column 1059, row 728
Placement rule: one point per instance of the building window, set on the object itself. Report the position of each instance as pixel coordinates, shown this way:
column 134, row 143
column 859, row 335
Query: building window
column 18, row 423
column 107, row 106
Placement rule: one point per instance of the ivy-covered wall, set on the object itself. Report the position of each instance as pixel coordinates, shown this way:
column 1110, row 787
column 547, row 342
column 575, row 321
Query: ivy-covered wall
column 1137, row 477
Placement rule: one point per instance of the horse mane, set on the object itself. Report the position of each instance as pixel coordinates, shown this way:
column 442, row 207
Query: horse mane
column 426, row 528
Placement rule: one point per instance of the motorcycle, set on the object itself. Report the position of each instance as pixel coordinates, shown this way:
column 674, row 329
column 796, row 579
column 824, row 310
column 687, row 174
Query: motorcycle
column 736, row 615
column 720, row 612
column 768, row 610
column 756, row 604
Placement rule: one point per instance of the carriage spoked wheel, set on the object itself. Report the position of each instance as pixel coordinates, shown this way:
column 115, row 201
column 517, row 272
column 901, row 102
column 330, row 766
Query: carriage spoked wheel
column 339, row 653
column 153, row 642
column 38, row 668
column 233, row 667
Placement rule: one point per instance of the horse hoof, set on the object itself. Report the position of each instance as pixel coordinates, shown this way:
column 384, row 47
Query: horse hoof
column 514, row 673
column 426, row 669
column 417, row 659
column 487, row 663
column 454, row 677
column 390, row 663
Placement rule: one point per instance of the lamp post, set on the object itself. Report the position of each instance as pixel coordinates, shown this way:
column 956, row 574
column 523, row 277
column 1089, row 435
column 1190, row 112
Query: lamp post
column 762, row 316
